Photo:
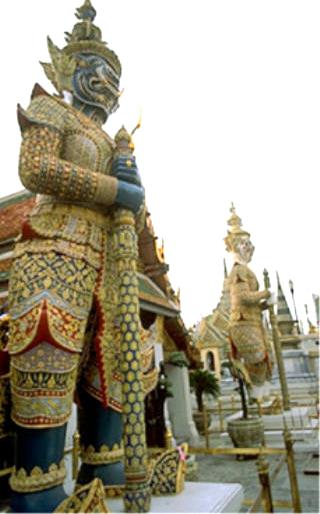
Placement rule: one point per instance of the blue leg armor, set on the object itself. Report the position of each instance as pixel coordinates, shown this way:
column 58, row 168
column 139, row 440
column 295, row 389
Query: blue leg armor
column 37, row 481
column 101, row 448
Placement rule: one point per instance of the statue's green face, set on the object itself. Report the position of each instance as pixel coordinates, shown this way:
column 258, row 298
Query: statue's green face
column 95, row 83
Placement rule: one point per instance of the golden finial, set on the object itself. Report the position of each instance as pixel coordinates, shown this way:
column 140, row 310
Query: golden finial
column 234, row 221
column 123, row 142
column 122, row 135
column 86, row 11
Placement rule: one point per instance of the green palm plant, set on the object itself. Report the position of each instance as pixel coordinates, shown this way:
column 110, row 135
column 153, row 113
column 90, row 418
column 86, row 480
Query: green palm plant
column 204, row 382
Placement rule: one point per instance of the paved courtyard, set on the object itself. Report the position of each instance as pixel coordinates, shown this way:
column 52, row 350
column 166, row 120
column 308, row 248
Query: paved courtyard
column 227, row 469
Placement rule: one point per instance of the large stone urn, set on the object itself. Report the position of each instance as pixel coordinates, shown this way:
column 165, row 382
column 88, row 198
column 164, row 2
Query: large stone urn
column 199, row 421
column 246, row 432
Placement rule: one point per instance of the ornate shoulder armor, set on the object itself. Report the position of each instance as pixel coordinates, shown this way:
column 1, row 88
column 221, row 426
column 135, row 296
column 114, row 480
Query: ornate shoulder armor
column 43, row 111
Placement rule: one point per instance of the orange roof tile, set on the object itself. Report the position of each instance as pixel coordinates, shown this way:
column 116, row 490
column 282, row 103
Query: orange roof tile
column 12, row 216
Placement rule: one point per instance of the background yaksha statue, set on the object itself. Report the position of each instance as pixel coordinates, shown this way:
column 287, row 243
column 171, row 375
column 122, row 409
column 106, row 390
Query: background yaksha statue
column 66, row 327
column 247, row 335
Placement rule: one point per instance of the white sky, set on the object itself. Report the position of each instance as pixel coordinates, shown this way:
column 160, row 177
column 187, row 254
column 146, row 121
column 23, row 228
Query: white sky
column 230, row 100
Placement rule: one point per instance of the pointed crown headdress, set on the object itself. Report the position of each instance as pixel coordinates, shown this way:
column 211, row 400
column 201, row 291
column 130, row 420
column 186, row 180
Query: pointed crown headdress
column 236, row 232
column 85, row 38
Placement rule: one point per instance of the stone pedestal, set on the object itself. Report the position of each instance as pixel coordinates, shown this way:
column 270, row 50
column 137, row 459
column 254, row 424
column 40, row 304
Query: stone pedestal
column 179, row 407
column 196, row 497
column 297, row 420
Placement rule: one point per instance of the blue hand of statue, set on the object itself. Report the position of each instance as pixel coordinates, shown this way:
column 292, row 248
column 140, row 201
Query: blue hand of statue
column 125, row 169
column 130, row 191
column 129, row 196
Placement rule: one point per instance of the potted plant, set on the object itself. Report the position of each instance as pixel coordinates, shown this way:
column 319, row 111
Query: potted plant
column 203, row 382
column 178, row 359
column 246, row 431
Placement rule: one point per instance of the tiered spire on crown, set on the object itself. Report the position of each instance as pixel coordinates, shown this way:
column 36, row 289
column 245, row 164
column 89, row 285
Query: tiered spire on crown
column 85, row 38
column 235, row 231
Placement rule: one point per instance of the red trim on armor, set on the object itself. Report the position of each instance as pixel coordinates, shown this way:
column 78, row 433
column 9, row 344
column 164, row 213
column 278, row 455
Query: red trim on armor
column 43, row 333
column 27, row 232
column 44, row 393
column 4, row 362
column 99, row 350
column 92, row 391
column 40, row 420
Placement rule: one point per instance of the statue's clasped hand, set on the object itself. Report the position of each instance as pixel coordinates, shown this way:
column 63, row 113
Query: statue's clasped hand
column 130, row 192
column 125, row 168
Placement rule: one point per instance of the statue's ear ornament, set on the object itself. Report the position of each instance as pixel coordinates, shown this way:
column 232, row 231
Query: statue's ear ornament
column 50, row 73
column 61, row 69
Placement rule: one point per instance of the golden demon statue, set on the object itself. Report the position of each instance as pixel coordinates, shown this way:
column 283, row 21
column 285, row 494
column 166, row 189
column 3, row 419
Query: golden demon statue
column 73, row 294
column 247, row 335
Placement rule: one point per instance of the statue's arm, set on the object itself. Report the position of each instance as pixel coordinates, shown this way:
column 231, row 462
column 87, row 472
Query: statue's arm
column 240, row 288
column 42, row 170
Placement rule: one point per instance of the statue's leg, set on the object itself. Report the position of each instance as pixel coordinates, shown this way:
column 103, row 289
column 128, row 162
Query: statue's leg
column 42, row 384
column 99, row 399
column 39, row 465
column 101, row 448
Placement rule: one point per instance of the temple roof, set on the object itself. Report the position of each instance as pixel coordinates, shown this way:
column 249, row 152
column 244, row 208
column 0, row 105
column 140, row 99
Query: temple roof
column 283, row 311
column 13, row 209
column 212, row 331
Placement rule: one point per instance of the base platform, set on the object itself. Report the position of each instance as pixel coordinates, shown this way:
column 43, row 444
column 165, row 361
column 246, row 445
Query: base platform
column 196, row 497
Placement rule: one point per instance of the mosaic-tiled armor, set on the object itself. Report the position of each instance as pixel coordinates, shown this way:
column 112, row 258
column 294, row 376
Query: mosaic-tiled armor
column 247, row 334
column 64, row 286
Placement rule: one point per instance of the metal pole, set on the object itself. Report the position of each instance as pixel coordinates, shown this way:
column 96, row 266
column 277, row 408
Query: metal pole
column 205, row 425
column 168, row 439
column 277, row 348
column 263, row 471
column 220, row 415
column 260, row 409
column 296, row 503
column 75, row 454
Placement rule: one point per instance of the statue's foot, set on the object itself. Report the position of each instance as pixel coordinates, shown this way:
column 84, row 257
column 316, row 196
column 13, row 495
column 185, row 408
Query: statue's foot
column 40, row 501
column 111, row 475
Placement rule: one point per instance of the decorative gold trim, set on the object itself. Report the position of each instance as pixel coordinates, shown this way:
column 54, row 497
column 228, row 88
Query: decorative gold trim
column 88, row 498
column 149, row 381
column 182, row 467
column 168, row 466
column 38, row 480
column 113, row 491
column 105, row 455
